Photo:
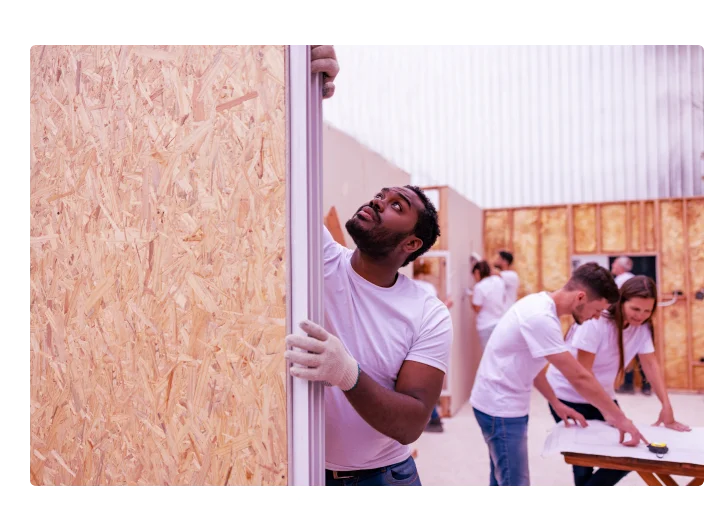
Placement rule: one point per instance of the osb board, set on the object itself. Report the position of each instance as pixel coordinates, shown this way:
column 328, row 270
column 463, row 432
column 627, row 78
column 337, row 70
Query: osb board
column 698, row 372
column 634, row 238
column 584, row 228
column 613, row 227
column 157, row 265
column 672, row 253
column 497, row 232
column 675, row 343
column 525, row 249
column 554, row 252
column 695, row 239
column 332, row 222
column 650, row 227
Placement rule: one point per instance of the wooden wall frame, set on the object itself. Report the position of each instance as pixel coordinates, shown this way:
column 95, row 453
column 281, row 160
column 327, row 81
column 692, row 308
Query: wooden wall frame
column 636, row 211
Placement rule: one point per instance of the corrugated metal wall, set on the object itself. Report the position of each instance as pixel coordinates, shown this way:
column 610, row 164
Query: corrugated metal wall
column 527, row 125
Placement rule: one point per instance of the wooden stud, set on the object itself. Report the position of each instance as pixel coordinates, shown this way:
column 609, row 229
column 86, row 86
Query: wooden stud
column 658, row 265
column 570, row 231
column 643, row 227
column 598, row 229
column 688, row 295
column 628, row 246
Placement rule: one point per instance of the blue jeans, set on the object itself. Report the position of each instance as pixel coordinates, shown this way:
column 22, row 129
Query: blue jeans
column 583, row 475
column 507, row 439
column 402, row 474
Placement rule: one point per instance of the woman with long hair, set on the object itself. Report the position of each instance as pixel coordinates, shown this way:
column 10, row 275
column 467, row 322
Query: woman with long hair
column 605, row 346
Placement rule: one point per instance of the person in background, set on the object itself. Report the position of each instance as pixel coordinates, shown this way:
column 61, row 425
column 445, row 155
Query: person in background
column 503, row 263
column 421, row 272
column 488, row 300
column 603, row 346
column 621, row 270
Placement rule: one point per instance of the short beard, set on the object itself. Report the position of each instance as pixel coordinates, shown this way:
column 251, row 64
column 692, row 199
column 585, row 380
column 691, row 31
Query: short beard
column 376, row 242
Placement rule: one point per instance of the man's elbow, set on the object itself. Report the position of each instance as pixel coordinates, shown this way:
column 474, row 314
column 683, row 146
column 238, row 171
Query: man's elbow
column 410, row 437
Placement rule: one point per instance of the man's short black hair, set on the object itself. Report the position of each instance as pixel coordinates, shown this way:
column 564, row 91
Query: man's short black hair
column 507, row 256
column 596, row 281
column 427, row 227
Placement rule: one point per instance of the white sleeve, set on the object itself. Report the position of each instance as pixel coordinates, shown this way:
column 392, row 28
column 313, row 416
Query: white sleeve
column 478, row 294
column 543, row 335
column 331, row 249
column 646, row 343
column 587, row 337
column 433, row 344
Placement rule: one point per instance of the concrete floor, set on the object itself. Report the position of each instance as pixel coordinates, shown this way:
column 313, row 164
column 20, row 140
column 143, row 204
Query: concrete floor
column 459, row 457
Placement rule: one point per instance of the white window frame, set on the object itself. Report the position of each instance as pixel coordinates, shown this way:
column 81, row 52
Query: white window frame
column 305, row 400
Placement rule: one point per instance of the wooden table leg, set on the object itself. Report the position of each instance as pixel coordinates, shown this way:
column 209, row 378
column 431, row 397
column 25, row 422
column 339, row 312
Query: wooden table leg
column 696, row 482
column 667, row 480
column 649, row 478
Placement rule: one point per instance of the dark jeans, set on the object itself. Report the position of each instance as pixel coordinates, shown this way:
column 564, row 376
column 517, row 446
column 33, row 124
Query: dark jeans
column 586, row 476
column 402, row 474
column 435, row 415
column 628, row 376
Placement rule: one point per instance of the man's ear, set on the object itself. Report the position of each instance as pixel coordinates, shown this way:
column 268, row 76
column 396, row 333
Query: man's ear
column 581, row 296
column 412, row 244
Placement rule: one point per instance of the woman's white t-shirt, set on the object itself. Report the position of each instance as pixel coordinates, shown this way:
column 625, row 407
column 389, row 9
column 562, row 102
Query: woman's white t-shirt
column 490, row 294
column 600, row 337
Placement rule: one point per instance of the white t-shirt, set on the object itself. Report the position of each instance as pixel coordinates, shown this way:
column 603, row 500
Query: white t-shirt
column 515, row 354
column 381, row 328
column 511, row 281
column 600, row 337
column 490, row 294
column 427, row 286
column 620, row 279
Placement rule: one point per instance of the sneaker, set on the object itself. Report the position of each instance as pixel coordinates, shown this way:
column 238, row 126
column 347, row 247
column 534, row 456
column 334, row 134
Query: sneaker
column 434, row 427
column 625, row 389
column 646, row 389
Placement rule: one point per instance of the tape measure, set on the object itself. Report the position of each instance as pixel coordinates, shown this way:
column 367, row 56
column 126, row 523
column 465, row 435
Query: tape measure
column 658, row 449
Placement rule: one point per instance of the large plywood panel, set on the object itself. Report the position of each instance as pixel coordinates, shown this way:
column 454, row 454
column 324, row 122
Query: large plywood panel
column 497, row 232
column 675, row 343
column 650, row 227
column 695, row 221
column 585, row 229
column 613, row 228
column 634, row 238
column 672, row 245
column 526, row 231
column 698, row 377
column 554, row 250
column 157, row 265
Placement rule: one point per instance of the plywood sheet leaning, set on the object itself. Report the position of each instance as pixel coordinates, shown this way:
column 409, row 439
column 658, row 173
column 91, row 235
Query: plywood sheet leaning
column 695, row 238
column 554, row 252
column 157, row 265
column 584, row 228
column 650, row 227
column 497, row 232
column 526, row 230
column 613, row 228
column 634, row 236
column 672, row 248
column 675, row 343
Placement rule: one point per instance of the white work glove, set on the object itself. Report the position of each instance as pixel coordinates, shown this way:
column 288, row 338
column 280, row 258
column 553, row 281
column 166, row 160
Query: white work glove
column 326, row 358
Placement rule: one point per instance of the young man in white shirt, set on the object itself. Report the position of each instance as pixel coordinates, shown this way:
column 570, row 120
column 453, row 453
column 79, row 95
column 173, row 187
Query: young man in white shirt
column 386, row 344
column 529, row 336
column 503, row 262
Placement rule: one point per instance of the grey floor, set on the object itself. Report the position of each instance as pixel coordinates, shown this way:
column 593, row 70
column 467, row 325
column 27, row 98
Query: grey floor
column 458, row 456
